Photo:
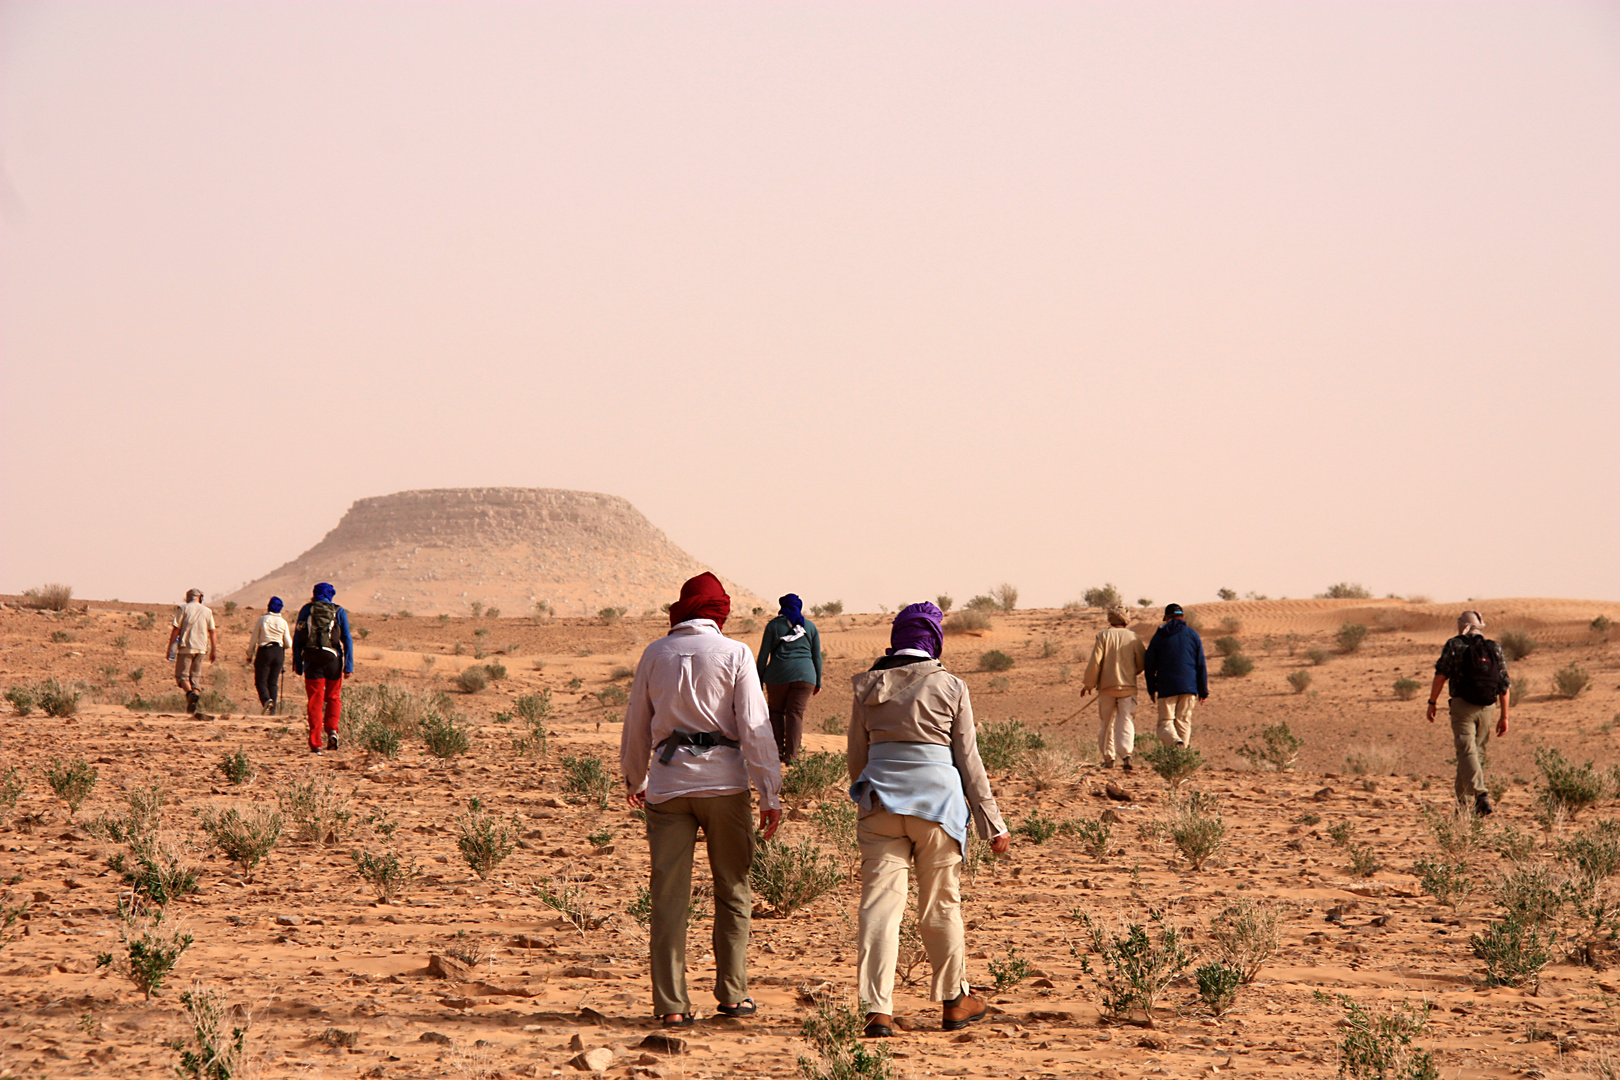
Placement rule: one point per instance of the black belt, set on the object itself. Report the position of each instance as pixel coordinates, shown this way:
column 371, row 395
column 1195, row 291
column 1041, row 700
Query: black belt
column 688, row 738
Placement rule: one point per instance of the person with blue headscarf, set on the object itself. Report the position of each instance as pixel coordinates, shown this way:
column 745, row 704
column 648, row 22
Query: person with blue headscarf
column 267, row 652
column 323, row 653
column 790, row 670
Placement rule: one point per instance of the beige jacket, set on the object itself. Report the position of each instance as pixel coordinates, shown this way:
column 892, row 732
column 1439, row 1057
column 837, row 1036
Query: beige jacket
column 1116, row 660
column 923, row 703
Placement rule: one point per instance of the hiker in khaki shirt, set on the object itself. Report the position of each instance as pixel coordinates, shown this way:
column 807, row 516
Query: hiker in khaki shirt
column 1116, row 661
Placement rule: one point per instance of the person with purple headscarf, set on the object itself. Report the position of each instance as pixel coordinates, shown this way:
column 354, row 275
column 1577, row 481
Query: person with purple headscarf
column 790, row 670
column 919, row 784
column 267, row 652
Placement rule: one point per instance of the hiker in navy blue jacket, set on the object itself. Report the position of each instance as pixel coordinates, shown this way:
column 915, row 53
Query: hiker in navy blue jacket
column 323, row 653
column 1176, row 676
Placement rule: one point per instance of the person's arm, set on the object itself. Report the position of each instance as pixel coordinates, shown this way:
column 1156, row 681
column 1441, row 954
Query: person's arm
column 856, row 740
column 1201, row 666
column 758, row 743
column 1434, row 695
column 1502, row 713
column 1150, row 668
column 348, row 642
column 815, row 653
column 213, row 640
column 767, row 643
column 635, row 739
column 1093, row 676
column 975, row 782
column 300, row 639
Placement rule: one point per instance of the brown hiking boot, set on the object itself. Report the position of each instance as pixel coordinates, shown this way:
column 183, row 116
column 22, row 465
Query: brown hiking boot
column 963, row 1011
column 879, row 1026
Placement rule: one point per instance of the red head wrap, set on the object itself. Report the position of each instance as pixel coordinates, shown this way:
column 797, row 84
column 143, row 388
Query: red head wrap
column 702, row 597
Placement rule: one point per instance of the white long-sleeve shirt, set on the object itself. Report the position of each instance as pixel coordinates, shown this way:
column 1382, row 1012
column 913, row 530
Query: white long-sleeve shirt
column 271, row 629
column 697, row 680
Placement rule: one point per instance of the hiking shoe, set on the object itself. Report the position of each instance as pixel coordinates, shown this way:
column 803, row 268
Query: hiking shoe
column 331, row 740
column 1482, row 805
column 958, row 1014
column 879, row 1026
column 315, row 750
column 1108, row 763
column 1126, row 765
column 192, row 698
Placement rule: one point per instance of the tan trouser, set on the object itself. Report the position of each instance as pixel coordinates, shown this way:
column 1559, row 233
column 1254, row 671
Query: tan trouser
column 728, row 831
column 188, row 669
column 890, row 843
column 1116, row 733
column 1470, row 733
column 1175, row 717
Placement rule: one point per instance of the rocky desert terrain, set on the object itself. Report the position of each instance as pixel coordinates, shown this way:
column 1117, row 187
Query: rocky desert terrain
column 481, row 977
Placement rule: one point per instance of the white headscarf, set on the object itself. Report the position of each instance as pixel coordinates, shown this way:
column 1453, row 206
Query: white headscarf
column 1470, row 622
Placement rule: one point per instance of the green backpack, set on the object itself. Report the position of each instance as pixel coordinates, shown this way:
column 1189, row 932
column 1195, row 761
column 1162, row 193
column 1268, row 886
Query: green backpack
column 323, row 628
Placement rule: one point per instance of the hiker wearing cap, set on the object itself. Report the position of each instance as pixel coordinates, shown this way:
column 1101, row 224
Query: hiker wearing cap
column 919, row 783
column 191, row 637
column 1176, row 677
column 790, row 670
column 695, row 735
column 267, row 652
column 323, row 653
column 1477, row 671
column 1117, row 658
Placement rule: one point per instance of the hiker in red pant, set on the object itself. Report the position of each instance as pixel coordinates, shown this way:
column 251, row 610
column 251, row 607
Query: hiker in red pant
column 323, row 653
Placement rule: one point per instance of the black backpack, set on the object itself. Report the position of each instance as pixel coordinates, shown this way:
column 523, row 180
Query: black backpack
column 1479, row 670
column 323, row 628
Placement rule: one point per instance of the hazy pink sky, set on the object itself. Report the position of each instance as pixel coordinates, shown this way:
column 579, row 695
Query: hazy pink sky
column 864, row 301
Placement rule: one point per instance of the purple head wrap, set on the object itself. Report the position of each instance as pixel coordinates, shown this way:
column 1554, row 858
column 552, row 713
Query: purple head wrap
column 275, row 604
column 917, row 627
column 792, row 609
column 323, row 591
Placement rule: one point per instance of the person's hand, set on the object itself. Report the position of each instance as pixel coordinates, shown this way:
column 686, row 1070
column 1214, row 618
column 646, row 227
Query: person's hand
column 1433, row 711
column 636, row 799
column 1502, row 726
column 1202, row 698
column 1152, row 698
column 1084, row 691
column 816, row 691
column 768, row 821
column 210, row 656
column 1000, row 844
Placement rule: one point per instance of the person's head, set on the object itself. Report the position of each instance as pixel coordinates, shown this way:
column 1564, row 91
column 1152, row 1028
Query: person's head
column 917, row 626
column 275, row 605
column 194, row 594
column 792, row 609
column 702, row 597
column 1116, row 616
column 323, row 591
column 1173, row 612
column 1470, row 622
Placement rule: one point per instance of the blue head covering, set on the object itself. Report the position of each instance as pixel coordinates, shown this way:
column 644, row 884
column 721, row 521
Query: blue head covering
column 274, row 605
column 792, row 608
column 918, row 627
column 323, row 591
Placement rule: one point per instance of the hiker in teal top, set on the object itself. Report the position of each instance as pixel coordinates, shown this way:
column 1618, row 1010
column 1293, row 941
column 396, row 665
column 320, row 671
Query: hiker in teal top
column 790, row 669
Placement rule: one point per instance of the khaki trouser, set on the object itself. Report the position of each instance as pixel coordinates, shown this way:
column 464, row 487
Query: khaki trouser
column 1470, row 732
column 188, row 669
column 890, row 844
column 1175, row 717
column 728, row 830
column 1116, row 733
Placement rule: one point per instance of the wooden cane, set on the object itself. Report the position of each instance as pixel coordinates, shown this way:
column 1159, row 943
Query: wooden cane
column 1076, row 714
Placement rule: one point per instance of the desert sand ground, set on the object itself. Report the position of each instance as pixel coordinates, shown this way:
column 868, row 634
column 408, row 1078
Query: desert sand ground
column 308, row 951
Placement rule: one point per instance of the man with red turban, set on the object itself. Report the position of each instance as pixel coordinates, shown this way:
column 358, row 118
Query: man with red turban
column 695, row 735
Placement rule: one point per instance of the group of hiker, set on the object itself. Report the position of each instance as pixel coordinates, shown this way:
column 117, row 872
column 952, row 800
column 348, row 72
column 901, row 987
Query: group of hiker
column 322, row 652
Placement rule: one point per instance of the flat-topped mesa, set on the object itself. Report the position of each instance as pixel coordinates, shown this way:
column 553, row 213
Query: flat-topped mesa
column 441, row 550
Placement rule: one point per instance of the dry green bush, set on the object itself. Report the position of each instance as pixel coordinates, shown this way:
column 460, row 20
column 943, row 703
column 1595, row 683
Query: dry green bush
column 1245, row 935
column 322, row 811
column 971, row 620
column 52, row 597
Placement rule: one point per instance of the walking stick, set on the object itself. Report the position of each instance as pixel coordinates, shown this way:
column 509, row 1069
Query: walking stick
column 1076, row 714
column 281, row 677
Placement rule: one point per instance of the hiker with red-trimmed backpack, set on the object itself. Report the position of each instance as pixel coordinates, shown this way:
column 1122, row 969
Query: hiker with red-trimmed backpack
column 1477, row 671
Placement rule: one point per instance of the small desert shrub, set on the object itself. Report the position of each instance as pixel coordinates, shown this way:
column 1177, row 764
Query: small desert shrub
column 245, row 839
column 831, row 607
column 1051, row 765
column 1597, row 853
column 155, row 873
column 1105, row 597
column 1458, row 832
column 376, row 737
column 1448, row 882
column 1136, row 967
column 443, row 739
column 1516, row 644
column 571, row 900
column 810, row 776
column 1003, row 746
column 1601, row 624
column 1218, row 984
column 1005, row 596
column 1095, row 837
column 995, row 660
column 1406, row 689
column 471, row 680
column 612, row 695
column 495, row 670
column 52, row 597
column 1513, row 844
column 1514, row 952
column 1350, row 637
column 1316, row 655
column 1197, row 830
column 1010, row 972
column 834, row 725
column 484, row 841
column 148, row 951
column 585, row 775
column 834, row 1033
column 1245, row 936
column 1567, row 786
column 1039, row 829
column 1567, row 682
column 1278, row 749
column 11, row 789
column 789, row 877
column 72, row 781
column 1228, row 645
column 1372, row 759
column 1300, row 680
column 1377, row 1043
column 999, row 684
column 322, row 811
column 1530, row 894
column 1236, row 666
column 963, row 622
column 1345, row 590
column 1173, row 763
column 236, row 768
column 54, row 699
column 212, row 1054
column 396, row 708
column 21, row 697
column 1518, row 689
column 1364, row 861
column 837, row 821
